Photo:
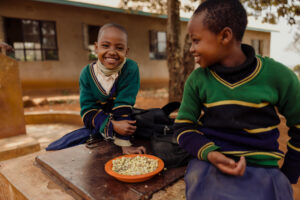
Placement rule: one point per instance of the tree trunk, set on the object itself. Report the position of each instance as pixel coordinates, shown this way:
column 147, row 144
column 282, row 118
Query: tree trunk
column 173, row 51
column 179, row 65
column 188, row 61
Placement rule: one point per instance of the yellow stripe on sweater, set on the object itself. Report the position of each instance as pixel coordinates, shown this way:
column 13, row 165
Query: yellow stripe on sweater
column 293, row 147
column 183, row 121
column 247, row 153
column 188, row 131
column 93, row 120
column 245, row 80
column 260, row 130
column 234, row 102
column 199, row 154
column 122, row 106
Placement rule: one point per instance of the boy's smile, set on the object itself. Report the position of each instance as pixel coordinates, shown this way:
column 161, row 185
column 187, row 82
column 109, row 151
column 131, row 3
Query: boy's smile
column 111, row 47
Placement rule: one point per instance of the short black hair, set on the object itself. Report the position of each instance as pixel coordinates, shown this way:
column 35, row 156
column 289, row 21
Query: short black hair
column 224, row 13
column 117, row 26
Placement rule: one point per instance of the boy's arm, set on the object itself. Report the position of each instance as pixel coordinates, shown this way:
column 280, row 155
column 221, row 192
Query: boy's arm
column 185, row 127
column 91, row 112
column 289, row 106
column 87, row 99
column 127, row 89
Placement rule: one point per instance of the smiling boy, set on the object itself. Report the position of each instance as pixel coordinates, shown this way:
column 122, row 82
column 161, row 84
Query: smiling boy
column 108, row 89
column 234, row 142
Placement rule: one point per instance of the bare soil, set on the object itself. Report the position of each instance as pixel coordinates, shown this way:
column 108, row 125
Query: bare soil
column 145, row 99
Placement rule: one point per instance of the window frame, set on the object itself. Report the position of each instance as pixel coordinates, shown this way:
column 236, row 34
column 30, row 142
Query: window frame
column 92, row 56
column 43, row 50
column 154, row 54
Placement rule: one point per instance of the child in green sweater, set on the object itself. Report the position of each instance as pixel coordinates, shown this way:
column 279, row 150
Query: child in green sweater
column 234, row 142
column 108, row 89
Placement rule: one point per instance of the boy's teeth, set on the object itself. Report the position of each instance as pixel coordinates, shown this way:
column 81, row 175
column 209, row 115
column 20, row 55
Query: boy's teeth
column 110, row 59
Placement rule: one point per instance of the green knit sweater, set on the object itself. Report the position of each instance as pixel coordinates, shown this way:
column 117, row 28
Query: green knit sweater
column 93, row 97
column 239, row 119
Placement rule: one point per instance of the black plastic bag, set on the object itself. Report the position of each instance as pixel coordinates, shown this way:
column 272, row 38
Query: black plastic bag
column 155, row 124
column 154, row 120
column 167, row 148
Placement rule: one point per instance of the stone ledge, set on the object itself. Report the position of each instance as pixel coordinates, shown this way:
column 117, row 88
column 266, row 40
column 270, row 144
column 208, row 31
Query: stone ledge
column 12, row 147
column 21, row 179
column 17, row 146
column 66, row 117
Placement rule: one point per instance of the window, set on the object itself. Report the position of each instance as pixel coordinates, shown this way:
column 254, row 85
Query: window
column 258, row 46
column 33, row 40
column 158, row 44
column 90, row 37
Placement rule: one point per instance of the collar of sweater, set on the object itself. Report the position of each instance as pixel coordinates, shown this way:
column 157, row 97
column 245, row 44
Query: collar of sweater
column 109, row 72
column 234, row 74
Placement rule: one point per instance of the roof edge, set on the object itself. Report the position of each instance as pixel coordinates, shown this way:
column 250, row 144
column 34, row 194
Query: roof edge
column 251, row 28
column 106, row 8
column 135, row 12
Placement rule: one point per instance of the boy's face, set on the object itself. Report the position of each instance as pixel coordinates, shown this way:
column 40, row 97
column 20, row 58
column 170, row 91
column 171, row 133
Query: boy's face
column 111, row 47
column 206, row 47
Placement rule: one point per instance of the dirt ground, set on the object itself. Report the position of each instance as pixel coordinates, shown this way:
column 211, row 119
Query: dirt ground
column 145, row 99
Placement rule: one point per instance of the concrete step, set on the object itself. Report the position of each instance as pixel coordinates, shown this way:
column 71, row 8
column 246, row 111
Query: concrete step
column 17, row 146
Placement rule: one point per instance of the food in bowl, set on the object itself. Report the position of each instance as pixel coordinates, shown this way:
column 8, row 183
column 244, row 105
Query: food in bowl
column 137, row 165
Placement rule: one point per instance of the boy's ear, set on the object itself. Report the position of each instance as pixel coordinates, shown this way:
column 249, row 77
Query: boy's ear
column 226, row 35
column 127, row 51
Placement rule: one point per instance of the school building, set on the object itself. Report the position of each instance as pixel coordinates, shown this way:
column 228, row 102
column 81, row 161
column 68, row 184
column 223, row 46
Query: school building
column 54, row 39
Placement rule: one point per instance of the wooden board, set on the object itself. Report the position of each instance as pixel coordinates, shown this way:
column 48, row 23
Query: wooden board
column 82, row 170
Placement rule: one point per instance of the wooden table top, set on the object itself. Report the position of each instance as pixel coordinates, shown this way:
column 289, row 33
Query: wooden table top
column 82, row 170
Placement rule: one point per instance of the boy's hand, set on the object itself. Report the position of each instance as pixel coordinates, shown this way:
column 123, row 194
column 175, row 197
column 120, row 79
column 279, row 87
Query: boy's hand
column 227, row 165
column 124, row 127
column 134, row 150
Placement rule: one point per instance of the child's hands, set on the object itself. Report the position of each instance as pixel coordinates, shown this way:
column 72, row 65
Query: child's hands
column 124, row 127
column 134, row 150
column 227, row 165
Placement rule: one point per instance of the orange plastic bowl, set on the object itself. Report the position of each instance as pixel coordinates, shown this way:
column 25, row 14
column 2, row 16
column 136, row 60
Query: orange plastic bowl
column 133, row 178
